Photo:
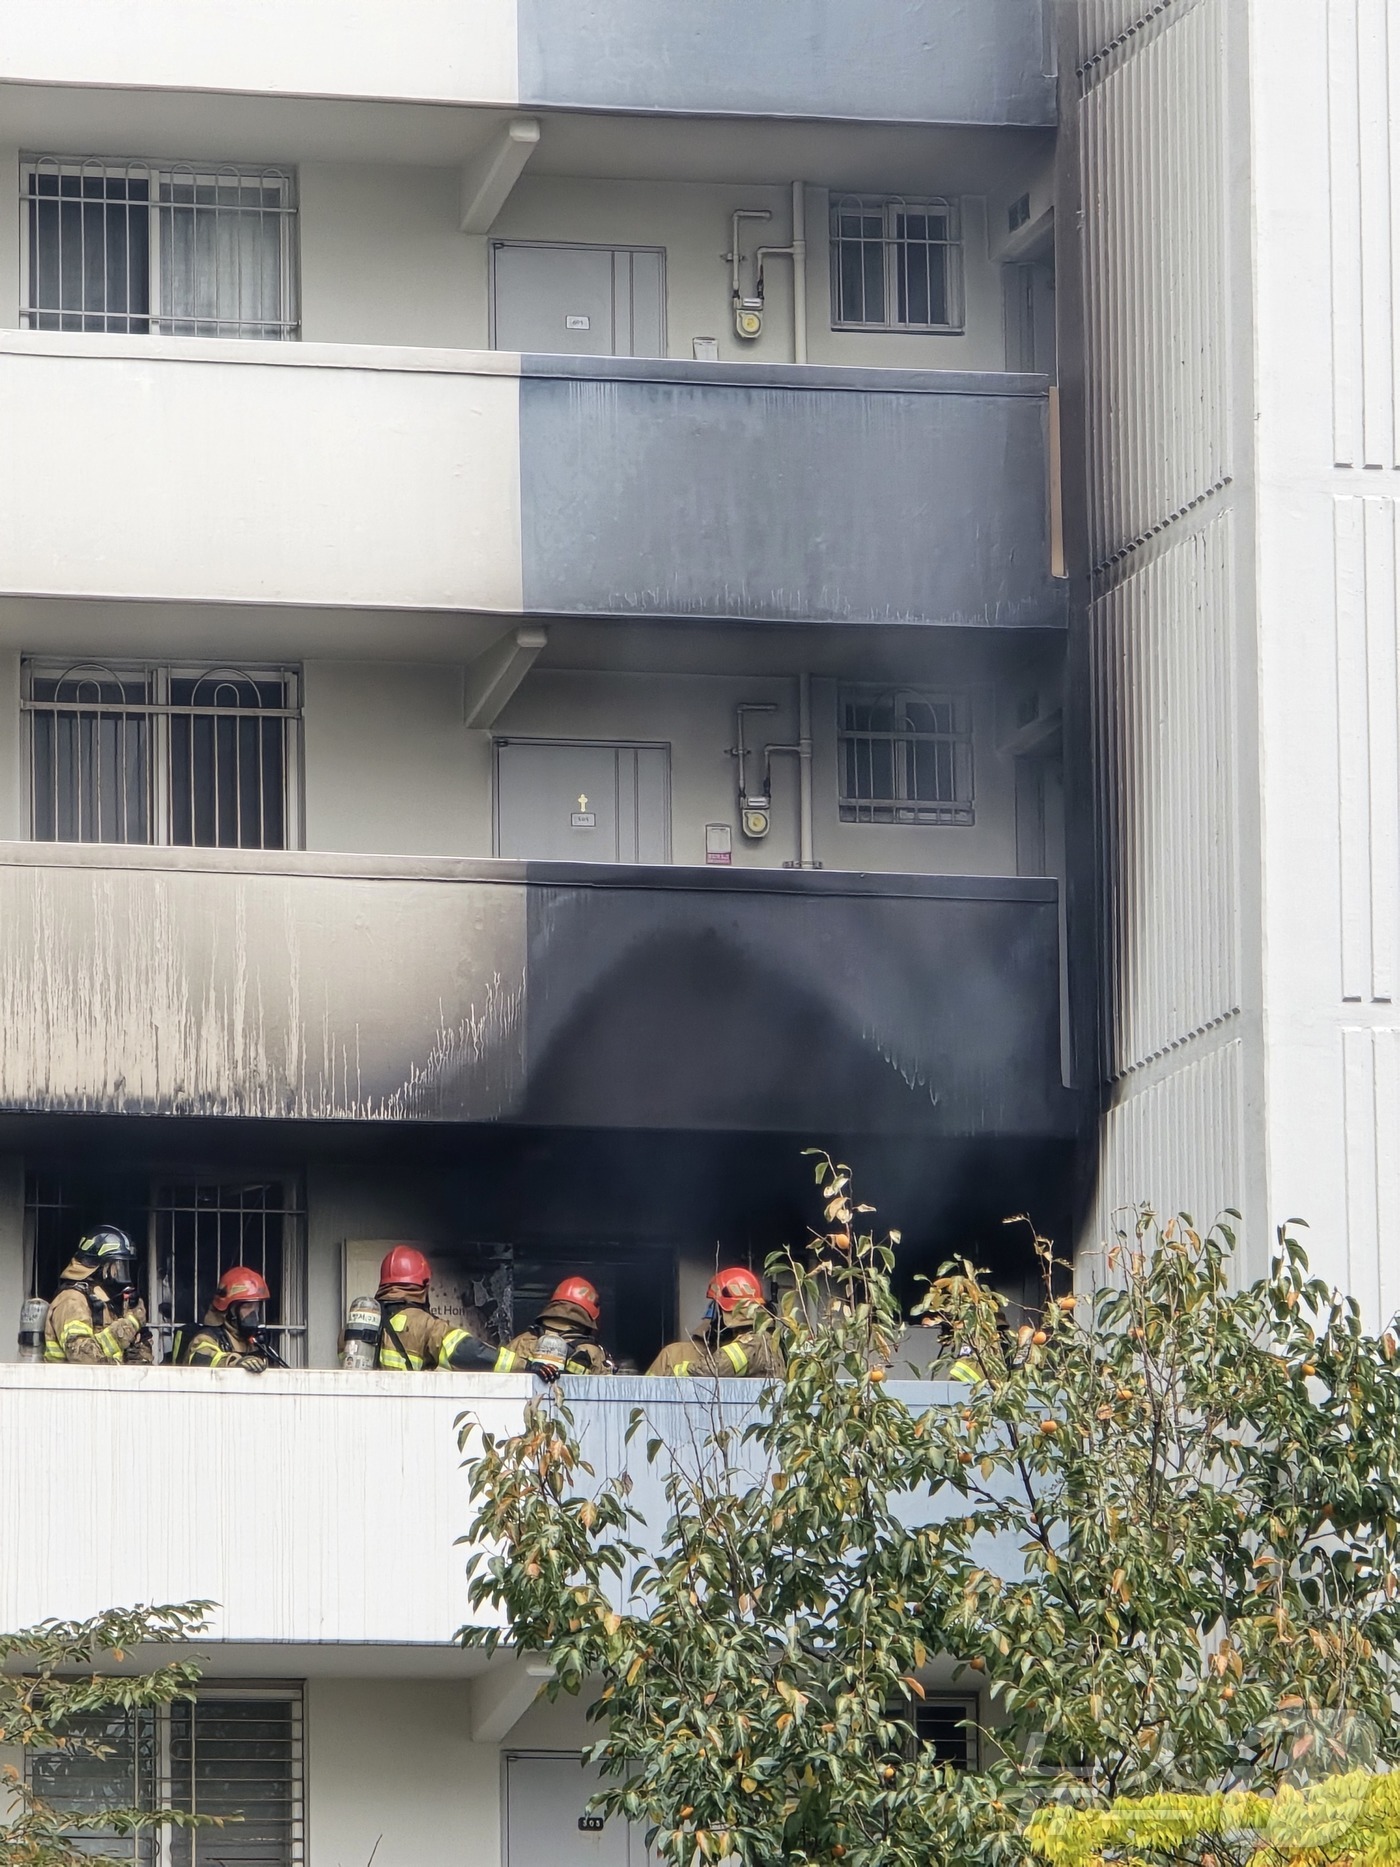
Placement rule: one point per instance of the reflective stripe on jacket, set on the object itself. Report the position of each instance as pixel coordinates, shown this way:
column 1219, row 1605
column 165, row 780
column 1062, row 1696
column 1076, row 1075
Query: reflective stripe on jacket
column 748, row 1354
column 428, row 1341
column 91, row 1333
column 216, row 1345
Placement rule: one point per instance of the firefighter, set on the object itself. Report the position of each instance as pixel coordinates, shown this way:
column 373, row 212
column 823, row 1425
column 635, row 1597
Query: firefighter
column 570, row 1320
column 411, row 1337
column 231, row 1335
column 736, row 1337
column 97, row 1317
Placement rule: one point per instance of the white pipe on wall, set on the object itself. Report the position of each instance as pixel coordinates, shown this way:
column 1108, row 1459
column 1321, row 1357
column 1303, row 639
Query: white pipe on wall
column 799, row 276
column 805, row 842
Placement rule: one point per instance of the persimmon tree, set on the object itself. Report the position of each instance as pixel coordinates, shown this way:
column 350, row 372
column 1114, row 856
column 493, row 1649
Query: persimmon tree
column 57, row 1694
column 1155, row 1527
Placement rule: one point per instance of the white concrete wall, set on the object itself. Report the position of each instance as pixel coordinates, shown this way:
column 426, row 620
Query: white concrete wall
column 390, row 766
column 1166, row 294
column 384, row 259
column 1323, row 108
column 391, row 1770
column 319, row 48
column 246, row 472
column 323, row 1452
column 14, row 750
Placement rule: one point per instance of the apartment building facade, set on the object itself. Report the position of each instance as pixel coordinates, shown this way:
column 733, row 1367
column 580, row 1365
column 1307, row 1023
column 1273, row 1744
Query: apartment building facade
column 533, row 627
column 1237, row 167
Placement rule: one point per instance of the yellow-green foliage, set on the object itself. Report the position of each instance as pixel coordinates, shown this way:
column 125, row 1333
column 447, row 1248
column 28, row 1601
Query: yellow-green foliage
column 1353, row 1818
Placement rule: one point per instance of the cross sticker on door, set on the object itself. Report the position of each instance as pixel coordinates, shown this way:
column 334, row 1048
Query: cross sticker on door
column 583, row 801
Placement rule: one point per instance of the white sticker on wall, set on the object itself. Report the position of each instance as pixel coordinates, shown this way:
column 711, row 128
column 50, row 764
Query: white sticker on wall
column 577, row 324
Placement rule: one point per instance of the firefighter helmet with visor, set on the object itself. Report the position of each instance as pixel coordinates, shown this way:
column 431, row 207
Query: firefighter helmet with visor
column 109, row 1253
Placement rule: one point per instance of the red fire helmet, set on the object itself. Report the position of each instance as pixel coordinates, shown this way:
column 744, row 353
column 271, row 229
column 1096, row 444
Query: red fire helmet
column 405, row 1264
column 734, row 1286
column 240, row 1285
column 579, row 1292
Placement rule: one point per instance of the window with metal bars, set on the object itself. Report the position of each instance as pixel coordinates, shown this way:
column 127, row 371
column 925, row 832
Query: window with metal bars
column 176, row 249
column 194, row 757
column 232, row 1752
column 905, row 756
column 191, row 1231
column 896, row 265
column 945, row 1726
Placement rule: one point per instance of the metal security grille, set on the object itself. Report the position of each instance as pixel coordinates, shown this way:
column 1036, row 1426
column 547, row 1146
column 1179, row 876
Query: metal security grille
column 234, row 1753
column 946, row 1726
column 895, row 265
column 201, row 1228
column 126, row 1775
column 905, row 757
column 182, row 250
column 205, row 758
column 191, row 1231
column 240, row 1756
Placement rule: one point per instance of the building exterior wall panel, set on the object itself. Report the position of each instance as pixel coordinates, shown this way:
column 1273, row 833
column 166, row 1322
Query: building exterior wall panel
column 280, row 987
column 240, row 472
column 348, row 1471
column 430, row 50
column 1158, row 132
column 1174, row 1143
column 786, row 494
column 1154, row 133
column 1167, row 795
column 941, row 61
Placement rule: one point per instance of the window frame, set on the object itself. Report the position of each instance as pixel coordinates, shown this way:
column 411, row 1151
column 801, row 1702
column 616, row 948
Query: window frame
column 159, row 712
column 968, row 1706
column 50, row 1189
column 909, row 812
column 166, row 1846
column 889, row 207
column 285, row 328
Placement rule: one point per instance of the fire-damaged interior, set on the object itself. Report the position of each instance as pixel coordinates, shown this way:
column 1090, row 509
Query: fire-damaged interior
column 505, row 1213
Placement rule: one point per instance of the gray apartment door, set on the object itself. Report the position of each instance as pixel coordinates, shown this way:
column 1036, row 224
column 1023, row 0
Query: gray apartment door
column 583, row 301
column 581, row 801
column 546, row 1799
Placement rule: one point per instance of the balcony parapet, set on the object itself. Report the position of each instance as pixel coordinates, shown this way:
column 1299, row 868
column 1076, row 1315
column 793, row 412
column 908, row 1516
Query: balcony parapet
column 293, row 1500
column 212, row 982
column 981, row 62
column 540, row 486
